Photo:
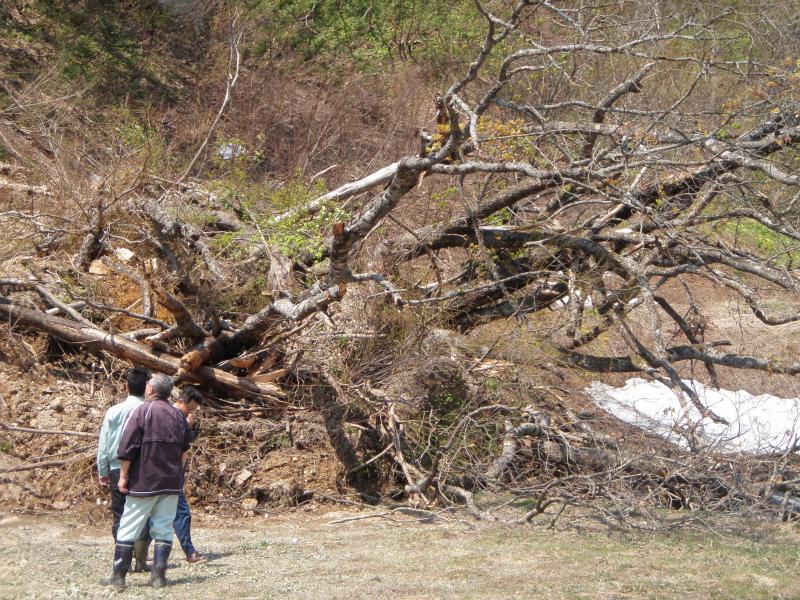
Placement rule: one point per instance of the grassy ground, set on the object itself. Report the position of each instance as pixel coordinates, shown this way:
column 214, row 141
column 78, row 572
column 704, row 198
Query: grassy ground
column 303, row 557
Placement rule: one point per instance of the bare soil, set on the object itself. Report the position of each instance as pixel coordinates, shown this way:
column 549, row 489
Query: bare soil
column 305, row 556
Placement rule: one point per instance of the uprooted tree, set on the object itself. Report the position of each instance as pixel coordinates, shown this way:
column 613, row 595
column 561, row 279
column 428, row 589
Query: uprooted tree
column 585, row 161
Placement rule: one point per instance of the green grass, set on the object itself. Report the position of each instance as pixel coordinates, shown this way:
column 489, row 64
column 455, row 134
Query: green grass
column 752, row 235
column 121, row 50
column 368, row 34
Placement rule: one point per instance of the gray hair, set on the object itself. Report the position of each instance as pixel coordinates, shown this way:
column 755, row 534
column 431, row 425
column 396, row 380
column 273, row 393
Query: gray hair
column 160, row 385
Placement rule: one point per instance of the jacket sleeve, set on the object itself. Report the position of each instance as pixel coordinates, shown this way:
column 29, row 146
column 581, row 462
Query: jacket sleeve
column 188, row 436
column 131, row 441
column 102, row 449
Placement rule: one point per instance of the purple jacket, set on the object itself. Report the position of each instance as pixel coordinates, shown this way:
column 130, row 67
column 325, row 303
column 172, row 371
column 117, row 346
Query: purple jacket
column 154, row 439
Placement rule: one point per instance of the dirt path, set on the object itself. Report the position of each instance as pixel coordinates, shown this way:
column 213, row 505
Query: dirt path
column 302, row 557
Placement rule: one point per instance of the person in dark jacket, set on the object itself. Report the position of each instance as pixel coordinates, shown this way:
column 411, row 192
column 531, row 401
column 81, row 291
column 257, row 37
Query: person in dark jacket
column 188, row 403
column 151, row 454
column 108, row 467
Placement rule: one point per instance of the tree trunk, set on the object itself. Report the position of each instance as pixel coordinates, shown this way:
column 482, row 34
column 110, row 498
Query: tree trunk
column 96, row 340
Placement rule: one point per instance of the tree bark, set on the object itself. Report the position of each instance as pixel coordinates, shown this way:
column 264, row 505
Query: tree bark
column 95, row 340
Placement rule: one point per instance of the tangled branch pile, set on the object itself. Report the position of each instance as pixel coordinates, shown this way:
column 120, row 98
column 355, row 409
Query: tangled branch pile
column 585, row 174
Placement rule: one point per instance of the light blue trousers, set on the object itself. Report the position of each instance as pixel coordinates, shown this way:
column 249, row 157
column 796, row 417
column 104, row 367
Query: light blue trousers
column 160, row 510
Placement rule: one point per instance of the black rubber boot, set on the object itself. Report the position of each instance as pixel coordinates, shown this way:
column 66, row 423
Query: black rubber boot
column 158, row 576
column 140, row 552
column 123, row 554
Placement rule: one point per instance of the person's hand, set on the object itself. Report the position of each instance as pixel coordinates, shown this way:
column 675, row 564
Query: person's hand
column 104, row 480
column 190, row 419
column 123, row 484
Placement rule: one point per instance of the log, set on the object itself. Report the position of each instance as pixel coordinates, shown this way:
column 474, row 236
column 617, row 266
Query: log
column 45, row 465
column 95, row 340
column 379, row 177
column 226, row 346
column 91, row 239
column 185, row 325
column 8, row 427
column 187, row 234
column 270, row 377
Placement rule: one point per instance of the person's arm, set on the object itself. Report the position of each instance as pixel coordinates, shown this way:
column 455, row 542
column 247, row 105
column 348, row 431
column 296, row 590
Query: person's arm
column 124, row 467
column 187, row 442
column 102, row 453
column 129, row 446
column 193, row 428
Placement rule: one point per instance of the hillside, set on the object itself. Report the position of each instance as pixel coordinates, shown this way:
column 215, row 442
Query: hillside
column 394, row 243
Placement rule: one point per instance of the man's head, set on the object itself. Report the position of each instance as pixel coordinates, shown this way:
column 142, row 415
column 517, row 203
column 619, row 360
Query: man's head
column 189, row 400
column 159, row 387
column 136, row 380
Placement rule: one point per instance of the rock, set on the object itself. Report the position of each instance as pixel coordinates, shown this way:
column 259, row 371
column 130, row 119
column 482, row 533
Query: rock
column 47, row 420
column 284, row 493
column 249, row 506
column 123, row 254
column 309, row 435
column 151, row 265
column 242, row 477
column 57, row 406
column 96, row 267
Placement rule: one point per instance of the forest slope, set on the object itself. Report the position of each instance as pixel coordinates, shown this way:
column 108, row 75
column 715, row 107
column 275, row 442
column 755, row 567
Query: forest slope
column 565, row 193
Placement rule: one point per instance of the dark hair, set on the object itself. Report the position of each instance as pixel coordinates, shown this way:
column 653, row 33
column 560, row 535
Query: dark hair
column 137, row 380
column 190, row 394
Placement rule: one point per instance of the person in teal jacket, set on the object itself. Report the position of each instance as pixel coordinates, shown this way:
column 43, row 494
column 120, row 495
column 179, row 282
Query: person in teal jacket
column 108, row 466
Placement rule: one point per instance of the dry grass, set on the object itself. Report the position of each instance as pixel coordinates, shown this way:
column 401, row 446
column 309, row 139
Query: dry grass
column 299, row 556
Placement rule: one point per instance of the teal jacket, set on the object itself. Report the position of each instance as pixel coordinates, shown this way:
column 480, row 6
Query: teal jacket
column 111, row 433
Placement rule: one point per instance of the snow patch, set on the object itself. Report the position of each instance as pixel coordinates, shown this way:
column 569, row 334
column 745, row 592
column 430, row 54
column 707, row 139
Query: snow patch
column 758, row 424
column 564, row 302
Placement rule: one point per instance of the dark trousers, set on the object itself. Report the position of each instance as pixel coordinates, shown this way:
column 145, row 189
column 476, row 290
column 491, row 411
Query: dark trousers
column 183, row 525
column 118, row 506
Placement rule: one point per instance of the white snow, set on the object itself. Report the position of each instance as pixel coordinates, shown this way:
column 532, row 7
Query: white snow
column 563, row 302
column 758, row 424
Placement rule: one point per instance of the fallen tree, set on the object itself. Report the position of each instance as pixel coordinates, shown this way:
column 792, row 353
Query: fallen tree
column 580, row 181
column 99, row 341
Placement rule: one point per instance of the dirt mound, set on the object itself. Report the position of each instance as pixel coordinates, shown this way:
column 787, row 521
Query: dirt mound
column 234, row 459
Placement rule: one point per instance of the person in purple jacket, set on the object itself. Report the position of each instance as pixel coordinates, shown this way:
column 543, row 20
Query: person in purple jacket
column 151, row 452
